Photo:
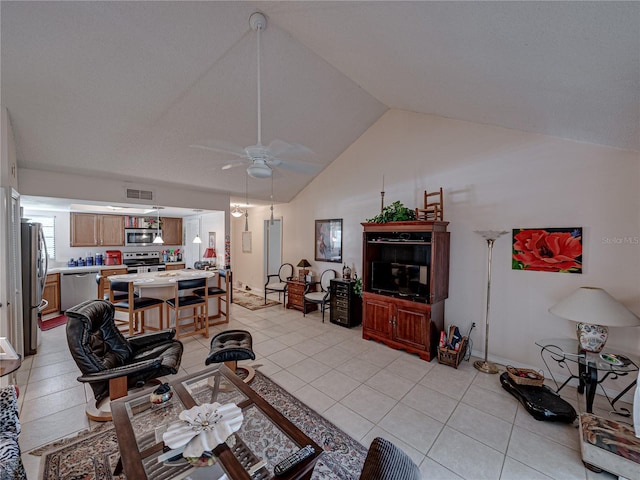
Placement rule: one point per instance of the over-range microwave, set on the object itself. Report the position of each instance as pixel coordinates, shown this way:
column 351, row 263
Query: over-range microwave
column 139, row 237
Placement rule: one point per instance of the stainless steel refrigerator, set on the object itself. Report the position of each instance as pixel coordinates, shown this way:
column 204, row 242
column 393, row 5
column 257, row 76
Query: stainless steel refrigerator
column 34, row 276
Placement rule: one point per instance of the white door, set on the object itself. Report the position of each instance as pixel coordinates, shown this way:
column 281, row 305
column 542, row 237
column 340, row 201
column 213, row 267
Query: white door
column 272, row 247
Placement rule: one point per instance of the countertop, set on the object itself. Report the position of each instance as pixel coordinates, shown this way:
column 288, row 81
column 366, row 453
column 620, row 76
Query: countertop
column 162, row 279
column 95, row 268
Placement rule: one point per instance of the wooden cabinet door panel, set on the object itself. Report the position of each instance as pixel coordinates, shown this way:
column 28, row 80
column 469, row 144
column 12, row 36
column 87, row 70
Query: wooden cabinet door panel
column 51, row 293
column 172, row 231
column 112, row 230
column 411, row 326
column 440, row 267
column 84, row 230
column 376, row 317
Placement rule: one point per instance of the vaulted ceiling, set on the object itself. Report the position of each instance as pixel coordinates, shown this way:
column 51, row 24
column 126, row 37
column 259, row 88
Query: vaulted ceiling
column 121, row 89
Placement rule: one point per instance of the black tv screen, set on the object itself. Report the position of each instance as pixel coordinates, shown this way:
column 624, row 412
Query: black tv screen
column 400, row 279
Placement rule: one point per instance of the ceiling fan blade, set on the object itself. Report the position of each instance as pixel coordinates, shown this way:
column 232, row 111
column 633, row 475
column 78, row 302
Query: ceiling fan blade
column 233, row 165
column 299, row 167
column 221, row 147
column 279, row 148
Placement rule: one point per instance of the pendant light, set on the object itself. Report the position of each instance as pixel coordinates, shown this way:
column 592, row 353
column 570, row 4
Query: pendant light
column 158, row 239
column 271, row 219
column 246, row 201
column 197, row 238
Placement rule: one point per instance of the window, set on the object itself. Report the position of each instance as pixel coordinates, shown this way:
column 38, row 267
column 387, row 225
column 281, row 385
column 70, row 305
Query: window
column 49, row 230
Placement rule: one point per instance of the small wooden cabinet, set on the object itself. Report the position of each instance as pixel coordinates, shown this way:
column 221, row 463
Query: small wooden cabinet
column 405, row 283
column 95, row 230
column 346, row 306
column 52, row 293
column 295, row 295
column 175, row 266
column 172, row 231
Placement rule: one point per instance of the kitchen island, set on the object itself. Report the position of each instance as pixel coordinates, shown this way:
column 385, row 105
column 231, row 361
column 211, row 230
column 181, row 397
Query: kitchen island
column 162, row 285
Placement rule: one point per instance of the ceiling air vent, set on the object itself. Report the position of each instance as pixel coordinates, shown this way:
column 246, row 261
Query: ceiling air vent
column 136, row 194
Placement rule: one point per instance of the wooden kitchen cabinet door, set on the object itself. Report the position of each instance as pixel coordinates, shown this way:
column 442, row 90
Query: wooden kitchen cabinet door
column 51, row 293
column 112, row 230
column 172, row 231
column 84, row 229
column 95, row 230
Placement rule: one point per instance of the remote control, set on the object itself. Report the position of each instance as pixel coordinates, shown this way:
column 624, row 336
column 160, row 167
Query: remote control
column 292, row 460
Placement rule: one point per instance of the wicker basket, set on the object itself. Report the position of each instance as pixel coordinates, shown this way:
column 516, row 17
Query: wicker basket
column 452, row 357
column 525, row 376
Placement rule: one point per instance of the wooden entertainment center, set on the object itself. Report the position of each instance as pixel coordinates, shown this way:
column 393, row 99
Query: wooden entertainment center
column 405, row 276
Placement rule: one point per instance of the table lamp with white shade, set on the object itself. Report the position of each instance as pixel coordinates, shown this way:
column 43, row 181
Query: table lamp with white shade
column 594, row 310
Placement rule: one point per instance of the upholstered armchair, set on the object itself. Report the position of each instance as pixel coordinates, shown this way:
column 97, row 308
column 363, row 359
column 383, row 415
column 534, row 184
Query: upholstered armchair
column 385, row 461
column 111, row 364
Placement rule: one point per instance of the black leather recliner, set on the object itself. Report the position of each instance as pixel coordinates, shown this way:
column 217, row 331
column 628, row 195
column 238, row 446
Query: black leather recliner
column 109, row 362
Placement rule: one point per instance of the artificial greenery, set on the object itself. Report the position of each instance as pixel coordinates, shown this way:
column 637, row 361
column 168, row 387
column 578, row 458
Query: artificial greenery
column 396, row 212
column 357, row 287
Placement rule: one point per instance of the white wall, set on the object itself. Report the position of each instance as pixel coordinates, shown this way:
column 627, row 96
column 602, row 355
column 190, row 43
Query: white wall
column 493, row 178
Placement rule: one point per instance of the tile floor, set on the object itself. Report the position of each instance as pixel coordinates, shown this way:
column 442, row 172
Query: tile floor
column 455, row 424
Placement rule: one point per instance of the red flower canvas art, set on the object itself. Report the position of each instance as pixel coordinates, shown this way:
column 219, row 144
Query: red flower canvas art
column 548, row 249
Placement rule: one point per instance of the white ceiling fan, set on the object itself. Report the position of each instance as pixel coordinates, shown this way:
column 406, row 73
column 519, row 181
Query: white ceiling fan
column 262, row 158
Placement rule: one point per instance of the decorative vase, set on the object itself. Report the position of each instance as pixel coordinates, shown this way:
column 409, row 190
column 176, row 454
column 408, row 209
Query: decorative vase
column 592, row 337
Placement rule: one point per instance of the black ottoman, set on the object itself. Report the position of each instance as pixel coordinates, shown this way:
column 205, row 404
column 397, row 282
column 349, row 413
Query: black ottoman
column 229, row 347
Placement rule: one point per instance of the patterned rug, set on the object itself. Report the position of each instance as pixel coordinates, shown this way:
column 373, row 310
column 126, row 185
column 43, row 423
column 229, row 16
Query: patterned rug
column 93, row 455
column 251, row 301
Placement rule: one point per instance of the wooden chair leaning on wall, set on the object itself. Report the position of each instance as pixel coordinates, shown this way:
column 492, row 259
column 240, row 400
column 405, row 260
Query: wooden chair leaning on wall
column 221, row 293
column 135, row 307
column 197, row 321
column 433, row 207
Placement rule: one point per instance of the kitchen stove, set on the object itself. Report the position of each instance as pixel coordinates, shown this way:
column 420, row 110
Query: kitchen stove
column 140, row 262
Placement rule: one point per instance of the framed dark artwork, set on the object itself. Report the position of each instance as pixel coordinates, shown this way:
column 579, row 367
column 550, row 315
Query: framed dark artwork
column 328, row 240
column 547, row 249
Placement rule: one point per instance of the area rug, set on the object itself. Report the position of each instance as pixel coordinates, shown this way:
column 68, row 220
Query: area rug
column 52, row 322
column 93, row 455
column 250, row 300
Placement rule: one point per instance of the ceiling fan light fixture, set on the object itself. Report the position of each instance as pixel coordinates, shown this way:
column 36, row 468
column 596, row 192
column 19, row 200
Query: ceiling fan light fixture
column 236, row 212
column 258, row 170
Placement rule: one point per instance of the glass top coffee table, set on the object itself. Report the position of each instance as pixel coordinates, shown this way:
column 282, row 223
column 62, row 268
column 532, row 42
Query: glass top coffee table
column 265, row 438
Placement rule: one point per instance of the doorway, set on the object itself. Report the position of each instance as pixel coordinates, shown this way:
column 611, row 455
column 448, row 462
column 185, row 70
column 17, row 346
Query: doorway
column 272, row 247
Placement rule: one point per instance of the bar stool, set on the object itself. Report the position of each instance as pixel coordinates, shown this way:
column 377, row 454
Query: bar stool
column 229, row 347
column 199, row 306
column 221, row 295
column 135, row 307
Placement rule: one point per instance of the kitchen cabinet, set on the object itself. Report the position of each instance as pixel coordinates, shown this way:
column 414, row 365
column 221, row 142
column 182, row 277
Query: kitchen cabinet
column 95, row 230
column 51, row 293
column 175, row 266
column 407, row 312
column 172, row 230
column 295, row 295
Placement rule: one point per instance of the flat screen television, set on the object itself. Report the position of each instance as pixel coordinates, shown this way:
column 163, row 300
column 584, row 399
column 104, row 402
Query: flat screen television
column 400, row 279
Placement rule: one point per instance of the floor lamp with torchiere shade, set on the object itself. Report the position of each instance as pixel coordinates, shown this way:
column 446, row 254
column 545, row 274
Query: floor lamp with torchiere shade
column 490, row 236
